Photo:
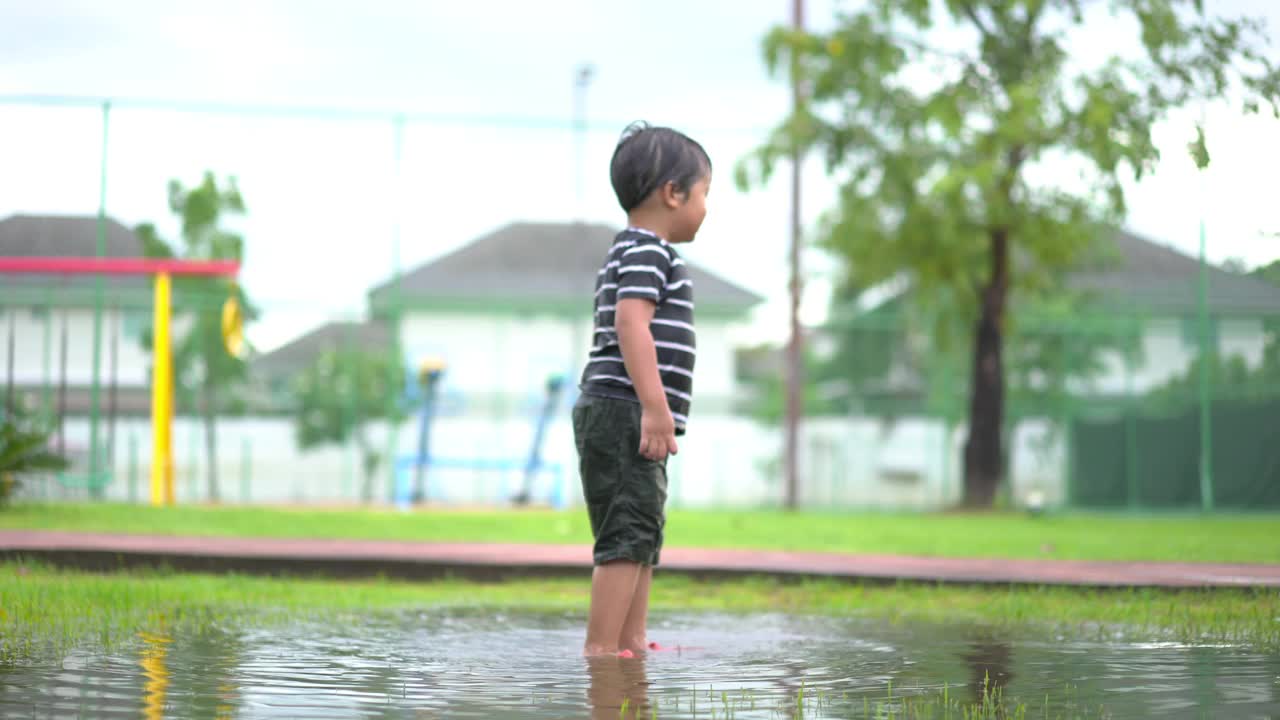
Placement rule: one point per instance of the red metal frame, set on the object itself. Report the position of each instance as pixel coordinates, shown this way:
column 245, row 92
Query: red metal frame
column 117, row 266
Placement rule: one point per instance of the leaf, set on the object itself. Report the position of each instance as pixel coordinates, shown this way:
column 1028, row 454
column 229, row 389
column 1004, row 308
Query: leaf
column 1199, row 151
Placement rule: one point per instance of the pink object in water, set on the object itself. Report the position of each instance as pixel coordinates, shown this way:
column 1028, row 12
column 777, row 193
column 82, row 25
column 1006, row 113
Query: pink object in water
column 626, row 654
column 655, row 646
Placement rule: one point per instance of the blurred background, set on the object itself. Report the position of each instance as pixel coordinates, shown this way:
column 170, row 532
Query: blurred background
column 418, row 194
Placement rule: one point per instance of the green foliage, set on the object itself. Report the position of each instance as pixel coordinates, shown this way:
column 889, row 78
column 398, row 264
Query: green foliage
column 895, row 361
column 1229, row 376
column 1271, row 325
column 199, row 353
column 928, row 169
column 340, row 393
column 206, row 376
column 24, row 449
column 935, row 147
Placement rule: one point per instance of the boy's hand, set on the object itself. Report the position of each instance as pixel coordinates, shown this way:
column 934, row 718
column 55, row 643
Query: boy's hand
column 657, row 434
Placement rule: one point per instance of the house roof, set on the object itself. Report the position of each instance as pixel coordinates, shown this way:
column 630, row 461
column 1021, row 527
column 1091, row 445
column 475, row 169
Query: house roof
column 300, row 352
column 66, row 236
column 1137, row 271
column 539, row 265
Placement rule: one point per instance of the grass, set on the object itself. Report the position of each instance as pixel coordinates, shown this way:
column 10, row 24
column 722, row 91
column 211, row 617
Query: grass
column 44, row 606
column 1196, row 538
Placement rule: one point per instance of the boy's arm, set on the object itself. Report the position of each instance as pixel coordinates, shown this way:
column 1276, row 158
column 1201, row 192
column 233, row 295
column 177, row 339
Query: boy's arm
column 657, row 428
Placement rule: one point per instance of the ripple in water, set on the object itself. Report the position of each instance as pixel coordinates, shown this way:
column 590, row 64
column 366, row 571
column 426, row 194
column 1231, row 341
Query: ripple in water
column 459, row 664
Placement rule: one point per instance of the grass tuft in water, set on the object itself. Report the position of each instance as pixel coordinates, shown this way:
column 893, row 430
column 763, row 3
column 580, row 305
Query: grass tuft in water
column 49, row 610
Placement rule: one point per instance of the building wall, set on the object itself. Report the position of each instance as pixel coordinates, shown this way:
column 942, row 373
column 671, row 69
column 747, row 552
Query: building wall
column 38, row 345
column 1170, row 345
column 724, row 461
column 514, row 354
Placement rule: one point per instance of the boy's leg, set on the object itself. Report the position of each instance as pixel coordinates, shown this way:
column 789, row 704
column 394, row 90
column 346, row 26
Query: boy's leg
column 633, row 634
column 613, row 585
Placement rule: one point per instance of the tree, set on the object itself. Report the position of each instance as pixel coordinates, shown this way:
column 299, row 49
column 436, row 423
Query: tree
column 206, row 375
column 933, row 147
column 340, row 394
column 1270, row 370
column 24, row 448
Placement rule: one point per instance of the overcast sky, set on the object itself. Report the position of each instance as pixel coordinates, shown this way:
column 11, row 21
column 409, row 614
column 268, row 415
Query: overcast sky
column 493, row 82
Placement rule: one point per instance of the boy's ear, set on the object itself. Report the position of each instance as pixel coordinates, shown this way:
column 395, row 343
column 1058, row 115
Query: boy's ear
column 671, row 196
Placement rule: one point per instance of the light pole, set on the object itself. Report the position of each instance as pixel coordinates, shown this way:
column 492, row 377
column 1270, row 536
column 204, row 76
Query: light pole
column 581, row 81
column 795, row 351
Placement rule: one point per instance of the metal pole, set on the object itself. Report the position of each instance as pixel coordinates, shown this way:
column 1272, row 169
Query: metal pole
column 246, row 468
column 101, row 251
column 397, row 299
column 112, row 393
column 46, row 378
column 161, row 399
column 430, row 384
column 1207, row 356
column 581, row 81
column 795, row 345
column 1130, row 436
column 133, row 468
column 12, row 312
column 62, row 389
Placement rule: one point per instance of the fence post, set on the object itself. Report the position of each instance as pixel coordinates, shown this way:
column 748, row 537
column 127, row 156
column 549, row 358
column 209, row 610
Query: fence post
column 1130, row 436
column 1207, row 354
column 133, row 468
column 246, row 467
column 98, row 292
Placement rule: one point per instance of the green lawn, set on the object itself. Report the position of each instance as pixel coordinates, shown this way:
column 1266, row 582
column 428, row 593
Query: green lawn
column 65, row 607
column 1213, row 538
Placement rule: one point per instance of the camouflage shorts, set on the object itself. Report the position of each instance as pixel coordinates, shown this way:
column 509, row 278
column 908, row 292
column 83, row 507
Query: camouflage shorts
column 625, row 491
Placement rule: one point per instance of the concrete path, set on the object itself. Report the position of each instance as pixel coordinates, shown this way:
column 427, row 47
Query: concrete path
column 492, row 560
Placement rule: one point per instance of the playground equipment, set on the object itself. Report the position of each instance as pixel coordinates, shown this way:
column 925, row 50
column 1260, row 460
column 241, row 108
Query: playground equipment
column 429, row 377
column 429, row 374
column 162, row 374
column 554, row 385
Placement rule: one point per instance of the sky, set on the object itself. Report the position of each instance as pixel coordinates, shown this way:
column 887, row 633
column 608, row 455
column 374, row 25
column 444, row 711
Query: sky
column 489, row 88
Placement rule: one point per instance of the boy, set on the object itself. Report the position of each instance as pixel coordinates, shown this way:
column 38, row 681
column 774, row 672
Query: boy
column 637, row 383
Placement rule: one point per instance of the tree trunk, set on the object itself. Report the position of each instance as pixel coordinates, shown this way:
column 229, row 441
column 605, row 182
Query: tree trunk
column 368, row 460
column 210, row 435
column 983, row 456
column 370, row 471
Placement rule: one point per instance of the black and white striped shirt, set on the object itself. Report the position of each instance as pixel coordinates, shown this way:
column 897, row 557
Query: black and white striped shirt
column 642, row 265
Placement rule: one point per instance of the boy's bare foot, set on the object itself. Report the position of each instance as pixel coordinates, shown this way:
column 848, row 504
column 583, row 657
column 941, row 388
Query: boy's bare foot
column 593, row 652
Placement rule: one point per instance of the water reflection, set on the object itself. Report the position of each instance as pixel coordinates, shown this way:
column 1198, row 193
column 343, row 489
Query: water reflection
column 154, row 650
column 618, row 688
column 990, row 667
column 482, row 664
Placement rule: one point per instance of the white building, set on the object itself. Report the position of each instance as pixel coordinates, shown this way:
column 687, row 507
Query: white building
column 49, row 320
column 1145, row 295
column 504, row 313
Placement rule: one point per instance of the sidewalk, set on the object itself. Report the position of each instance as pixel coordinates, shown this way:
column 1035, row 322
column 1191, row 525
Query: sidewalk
column 492, row 561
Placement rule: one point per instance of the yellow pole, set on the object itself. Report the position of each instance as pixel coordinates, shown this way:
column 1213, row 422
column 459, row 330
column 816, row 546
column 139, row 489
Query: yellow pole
column 161, row 398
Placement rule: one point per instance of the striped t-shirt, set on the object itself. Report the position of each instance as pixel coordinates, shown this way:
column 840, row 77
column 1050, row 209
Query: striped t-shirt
column 642, row 265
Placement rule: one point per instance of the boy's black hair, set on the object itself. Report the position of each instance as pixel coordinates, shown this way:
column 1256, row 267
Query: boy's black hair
column 648, row 158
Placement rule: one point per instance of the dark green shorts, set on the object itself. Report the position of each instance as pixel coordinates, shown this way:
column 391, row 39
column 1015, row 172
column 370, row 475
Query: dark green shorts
column 625, row 492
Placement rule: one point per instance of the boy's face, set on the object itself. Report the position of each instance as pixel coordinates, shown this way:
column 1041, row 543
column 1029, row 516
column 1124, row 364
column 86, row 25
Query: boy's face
column 690, row 213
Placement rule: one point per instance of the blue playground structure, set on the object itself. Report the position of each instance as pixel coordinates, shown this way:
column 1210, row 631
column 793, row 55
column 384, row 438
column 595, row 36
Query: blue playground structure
column 412, row 472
